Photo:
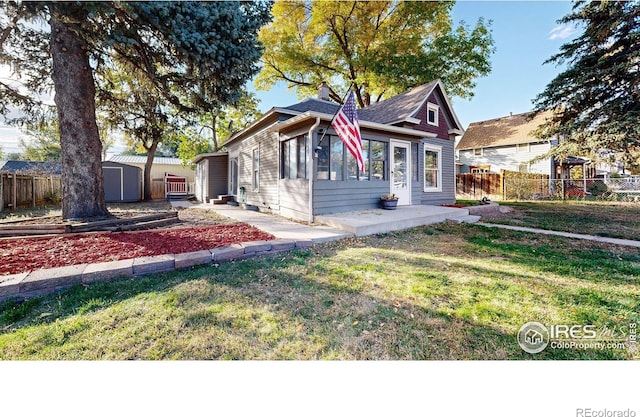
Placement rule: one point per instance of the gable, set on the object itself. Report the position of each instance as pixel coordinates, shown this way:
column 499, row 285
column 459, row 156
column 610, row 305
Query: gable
column 445, row 119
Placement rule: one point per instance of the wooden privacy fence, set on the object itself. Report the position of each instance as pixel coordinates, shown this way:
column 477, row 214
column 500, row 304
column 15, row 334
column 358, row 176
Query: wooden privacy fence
column 478, row 185
column 26, row 190
column 507, row 185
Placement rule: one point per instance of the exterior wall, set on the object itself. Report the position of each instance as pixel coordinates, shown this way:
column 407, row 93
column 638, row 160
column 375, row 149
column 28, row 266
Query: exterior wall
column 266, row 196
column 340, row 196
column 442, row 130
column 448, row 193
column 294, row 193
column 508, row 158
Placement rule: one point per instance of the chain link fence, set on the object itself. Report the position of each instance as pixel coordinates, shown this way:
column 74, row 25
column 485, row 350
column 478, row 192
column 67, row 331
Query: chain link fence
column 599, row 189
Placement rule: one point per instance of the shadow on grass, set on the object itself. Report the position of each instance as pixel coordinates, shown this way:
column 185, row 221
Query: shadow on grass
column 298, row 306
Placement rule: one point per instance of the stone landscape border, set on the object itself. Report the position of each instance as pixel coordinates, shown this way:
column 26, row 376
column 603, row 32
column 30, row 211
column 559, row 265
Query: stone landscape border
column 45, row 281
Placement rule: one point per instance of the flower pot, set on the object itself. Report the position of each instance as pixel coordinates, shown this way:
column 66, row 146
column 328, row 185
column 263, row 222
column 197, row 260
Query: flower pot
column 389, row 204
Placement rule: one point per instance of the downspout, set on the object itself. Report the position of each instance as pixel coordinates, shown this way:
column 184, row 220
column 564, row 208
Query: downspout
column 310, row 168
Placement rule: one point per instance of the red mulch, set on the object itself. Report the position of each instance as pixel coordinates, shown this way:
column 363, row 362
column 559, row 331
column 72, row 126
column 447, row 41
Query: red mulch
column 20, row 255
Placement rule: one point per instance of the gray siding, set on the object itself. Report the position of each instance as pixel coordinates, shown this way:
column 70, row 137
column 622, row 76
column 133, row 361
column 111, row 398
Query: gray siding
column 294, row 198
column 338, row 196
column 448, row 193
column 266, row 197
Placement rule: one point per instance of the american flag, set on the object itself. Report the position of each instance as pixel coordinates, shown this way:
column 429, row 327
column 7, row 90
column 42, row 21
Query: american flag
column 346, row 125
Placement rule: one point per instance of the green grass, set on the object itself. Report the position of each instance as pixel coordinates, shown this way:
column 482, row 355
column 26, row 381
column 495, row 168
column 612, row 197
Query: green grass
column 442, row 292
column 619, row 220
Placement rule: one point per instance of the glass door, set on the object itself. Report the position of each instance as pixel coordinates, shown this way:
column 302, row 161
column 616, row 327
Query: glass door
column 233, row 176
column 401, row 171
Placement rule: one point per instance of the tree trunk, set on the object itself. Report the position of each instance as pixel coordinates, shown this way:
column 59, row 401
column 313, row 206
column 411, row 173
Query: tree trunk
column 82, row 182
column 151, row 153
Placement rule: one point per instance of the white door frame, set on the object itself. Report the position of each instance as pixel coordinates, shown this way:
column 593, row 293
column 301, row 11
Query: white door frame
column 121, row 180
column 404, row 195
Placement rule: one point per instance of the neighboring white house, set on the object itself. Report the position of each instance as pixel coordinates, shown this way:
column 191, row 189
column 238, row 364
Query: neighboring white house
column 507, row 143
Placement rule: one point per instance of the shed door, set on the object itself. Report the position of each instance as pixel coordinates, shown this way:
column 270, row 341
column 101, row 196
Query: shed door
column 401, row 171
column 113, row 184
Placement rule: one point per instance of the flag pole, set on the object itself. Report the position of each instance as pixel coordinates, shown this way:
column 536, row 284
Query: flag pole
column 336, row 113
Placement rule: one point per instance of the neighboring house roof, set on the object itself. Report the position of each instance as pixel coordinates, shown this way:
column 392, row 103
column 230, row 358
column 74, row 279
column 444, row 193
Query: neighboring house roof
column 504, row 131
column 382, row 115
column 31, row 167
column 142, row 159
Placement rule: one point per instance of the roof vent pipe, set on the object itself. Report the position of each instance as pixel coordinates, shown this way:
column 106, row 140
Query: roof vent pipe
column 323, row 91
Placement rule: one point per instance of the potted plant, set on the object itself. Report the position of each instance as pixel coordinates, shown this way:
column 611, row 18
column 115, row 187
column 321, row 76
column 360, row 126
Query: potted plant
column 389, row 201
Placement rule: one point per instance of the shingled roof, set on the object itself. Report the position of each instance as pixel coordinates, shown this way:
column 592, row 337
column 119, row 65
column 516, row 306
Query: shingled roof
column 398, row 107
column 31, row 167
column 504, row 131
column 392, row 110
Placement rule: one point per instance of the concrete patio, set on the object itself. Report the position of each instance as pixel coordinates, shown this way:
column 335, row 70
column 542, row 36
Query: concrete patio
column 372, row 221
column 353, row 223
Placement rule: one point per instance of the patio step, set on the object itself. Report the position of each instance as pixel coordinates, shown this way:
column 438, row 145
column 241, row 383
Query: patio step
column 470, row 218
column 223, row 199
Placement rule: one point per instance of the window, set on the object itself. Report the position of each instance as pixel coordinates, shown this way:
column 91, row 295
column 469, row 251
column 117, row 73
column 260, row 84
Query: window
column 333, row 158
column 294, row 158
column 432, row 114
column 378, row 160
column 432, row 168
column 330, row 158
column 477, row 152
column 354, row 172
column 523, row 147
column 256, row 169
column 337, row 158
column 482, row 169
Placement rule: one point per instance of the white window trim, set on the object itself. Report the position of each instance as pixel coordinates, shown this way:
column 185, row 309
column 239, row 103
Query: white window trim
column 438, row 149
column 436, row 109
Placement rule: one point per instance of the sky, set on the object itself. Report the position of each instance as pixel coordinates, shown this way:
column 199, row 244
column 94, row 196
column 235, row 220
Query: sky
column 525, row 34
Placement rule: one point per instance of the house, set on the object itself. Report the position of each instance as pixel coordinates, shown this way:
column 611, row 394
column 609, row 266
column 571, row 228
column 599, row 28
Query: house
column 291, row 162
column 507, row 143
column 122, row 182
column 162, row 168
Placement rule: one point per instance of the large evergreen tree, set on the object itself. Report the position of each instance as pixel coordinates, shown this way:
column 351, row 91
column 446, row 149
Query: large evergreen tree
column 201, row 51
column 381, row 47
column 597, row 98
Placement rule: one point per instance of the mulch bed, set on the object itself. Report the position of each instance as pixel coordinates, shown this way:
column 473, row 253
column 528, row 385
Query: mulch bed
column 24, row 254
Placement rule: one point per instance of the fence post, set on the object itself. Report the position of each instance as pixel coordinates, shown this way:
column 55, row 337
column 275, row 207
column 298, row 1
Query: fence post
column 14, row 189
column 502, row 185
column 562, row 187
column 1, row 192
column 33, row 191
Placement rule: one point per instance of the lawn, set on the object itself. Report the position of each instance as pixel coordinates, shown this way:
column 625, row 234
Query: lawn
column 440, row 292
column 620, row 220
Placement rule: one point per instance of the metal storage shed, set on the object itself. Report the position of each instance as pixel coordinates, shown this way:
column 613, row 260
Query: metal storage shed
column 122, row 183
